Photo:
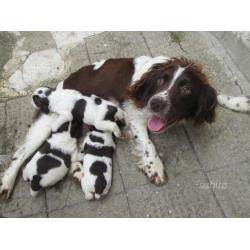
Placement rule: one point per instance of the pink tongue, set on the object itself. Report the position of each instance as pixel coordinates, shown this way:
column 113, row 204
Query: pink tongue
column 156, row 123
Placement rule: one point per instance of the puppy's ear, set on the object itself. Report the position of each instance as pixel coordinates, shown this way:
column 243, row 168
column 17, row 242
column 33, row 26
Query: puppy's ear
column 206, row 106
column 49, row 91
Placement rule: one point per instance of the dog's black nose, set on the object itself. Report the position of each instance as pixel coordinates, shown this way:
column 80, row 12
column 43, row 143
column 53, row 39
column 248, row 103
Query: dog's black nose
column 158, row 104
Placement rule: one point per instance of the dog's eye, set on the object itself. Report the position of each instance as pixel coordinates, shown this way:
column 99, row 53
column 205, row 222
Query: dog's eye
column 183, row 83
column 48, row 92
column 160, row 82
column 185, row 90
column 40, row 92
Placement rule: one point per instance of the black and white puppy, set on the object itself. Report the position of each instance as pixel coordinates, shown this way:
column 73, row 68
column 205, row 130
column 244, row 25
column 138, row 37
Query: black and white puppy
column 95, row 172
column 53, row 159
column 68, row 103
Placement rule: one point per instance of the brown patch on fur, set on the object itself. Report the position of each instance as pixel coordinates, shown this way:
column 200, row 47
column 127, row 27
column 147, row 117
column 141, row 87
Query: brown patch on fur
column 109, row 81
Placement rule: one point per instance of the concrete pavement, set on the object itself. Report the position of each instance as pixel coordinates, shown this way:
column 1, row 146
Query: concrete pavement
column 208, row 166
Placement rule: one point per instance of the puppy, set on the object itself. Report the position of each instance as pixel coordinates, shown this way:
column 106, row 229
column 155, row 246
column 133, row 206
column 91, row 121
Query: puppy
column 95, row 172
column 69, row 103
column 53, row 159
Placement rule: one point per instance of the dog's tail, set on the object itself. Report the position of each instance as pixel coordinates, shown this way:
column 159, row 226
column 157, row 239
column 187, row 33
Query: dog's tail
column 236, row 103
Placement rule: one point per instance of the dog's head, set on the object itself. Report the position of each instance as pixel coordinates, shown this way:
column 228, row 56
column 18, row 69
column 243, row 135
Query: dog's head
column 174, row 91
column 40, row 98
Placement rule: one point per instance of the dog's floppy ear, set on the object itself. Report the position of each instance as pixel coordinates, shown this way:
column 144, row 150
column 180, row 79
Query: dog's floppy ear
column 206, row 105
column 41, row 103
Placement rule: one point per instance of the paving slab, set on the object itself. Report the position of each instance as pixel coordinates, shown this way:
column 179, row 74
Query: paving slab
column 174, row 44
column 7, row 44
column 39, row 215
column 225, row 142
column 2, row 115
column 18, row 116
column 221, row 70
column 22, row 204
column 116, row 44
column 238, row 49
column 180, row 197
column 231, row 186
column 112, row 206
column 79, row 57
column 56, row 196
column 37, row 40
column 128, row 159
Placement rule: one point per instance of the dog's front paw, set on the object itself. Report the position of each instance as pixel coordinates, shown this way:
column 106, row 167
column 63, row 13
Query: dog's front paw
column 54, row 127
column 76, row 171
column 117, row 131
column 154, row 170
column 78, row 176
column 6, row 186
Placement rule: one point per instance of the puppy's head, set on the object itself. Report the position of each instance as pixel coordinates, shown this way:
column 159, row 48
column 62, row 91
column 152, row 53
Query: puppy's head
column 40, row 98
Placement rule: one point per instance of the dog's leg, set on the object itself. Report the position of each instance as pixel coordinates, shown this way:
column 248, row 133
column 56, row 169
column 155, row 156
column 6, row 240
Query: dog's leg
column 151, row 163
column 37, row 134
column 109, row 126
column 121, row 116
column 236, row 103
column 62, row 118
column 76, row 170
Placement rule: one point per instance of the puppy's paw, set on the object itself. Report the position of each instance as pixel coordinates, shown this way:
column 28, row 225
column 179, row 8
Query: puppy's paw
column 33, row 193
column 78, row 176
column 54, row 127
column 89, row 196
column 117, row 131
column 75, row 167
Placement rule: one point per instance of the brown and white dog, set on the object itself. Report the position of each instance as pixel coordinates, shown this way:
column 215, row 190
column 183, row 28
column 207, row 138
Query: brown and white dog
column 155, row 92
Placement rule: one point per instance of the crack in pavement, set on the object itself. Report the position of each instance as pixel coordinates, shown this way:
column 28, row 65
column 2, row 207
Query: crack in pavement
column 123, row 185
column 46, row 205
column 218, row 46
column 232, row 75
column 204, row 172
column 180, row 46
column 237, row 84
column 67, row 197
column 145, row 40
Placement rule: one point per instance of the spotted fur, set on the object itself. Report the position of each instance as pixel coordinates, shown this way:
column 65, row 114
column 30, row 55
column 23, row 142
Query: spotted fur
column 70, row 104
column 53, row 160
column 95, row 174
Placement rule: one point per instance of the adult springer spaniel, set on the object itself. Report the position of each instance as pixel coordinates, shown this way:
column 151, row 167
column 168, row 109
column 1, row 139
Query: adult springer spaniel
column 156, row 92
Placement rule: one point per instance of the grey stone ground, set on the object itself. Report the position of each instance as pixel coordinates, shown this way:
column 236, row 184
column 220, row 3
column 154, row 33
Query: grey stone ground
column 208, row 166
